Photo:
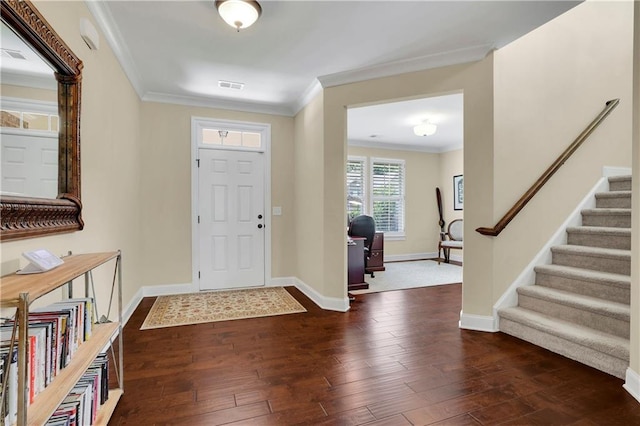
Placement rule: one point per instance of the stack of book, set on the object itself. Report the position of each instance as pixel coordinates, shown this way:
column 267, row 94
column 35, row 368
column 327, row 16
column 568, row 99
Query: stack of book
column 55, row 333
column 80, row 407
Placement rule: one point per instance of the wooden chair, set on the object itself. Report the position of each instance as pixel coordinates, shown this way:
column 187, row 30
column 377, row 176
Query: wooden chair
column 452, row 239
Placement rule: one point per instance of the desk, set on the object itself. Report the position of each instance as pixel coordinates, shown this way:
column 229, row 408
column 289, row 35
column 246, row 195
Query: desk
column 356, row 264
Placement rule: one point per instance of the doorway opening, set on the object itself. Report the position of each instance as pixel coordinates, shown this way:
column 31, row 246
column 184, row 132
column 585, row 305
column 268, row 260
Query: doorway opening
column 393, row 170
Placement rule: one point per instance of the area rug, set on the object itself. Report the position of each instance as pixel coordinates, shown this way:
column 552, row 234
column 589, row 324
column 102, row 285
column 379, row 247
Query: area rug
column 412, row 274
column 197, row 308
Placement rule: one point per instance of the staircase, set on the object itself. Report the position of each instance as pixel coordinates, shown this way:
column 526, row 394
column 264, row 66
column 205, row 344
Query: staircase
column 579, row 305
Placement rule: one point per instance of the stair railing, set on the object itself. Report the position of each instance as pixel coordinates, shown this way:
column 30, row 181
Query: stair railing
column 527, row 196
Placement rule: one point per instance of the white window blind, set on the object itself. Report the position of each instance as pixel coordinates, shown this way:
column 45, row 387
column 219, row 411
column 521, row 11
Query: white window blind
column 355, row 187
column 387, row 195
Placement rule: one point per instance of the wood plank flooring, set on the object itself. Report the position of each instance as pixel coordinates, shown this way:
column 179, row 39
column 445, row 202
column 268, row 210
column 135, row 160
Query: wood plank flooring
column 396, row 358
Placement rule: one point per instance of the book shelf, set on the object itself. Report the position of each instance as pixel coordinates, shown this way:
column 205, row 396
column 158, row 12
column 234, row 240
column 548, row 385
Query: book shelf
column 19, row 291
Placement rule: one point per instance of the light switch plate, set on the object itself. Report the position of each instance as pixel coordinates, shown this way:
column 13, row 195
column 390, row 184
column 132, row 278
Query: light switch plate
column 277, row 211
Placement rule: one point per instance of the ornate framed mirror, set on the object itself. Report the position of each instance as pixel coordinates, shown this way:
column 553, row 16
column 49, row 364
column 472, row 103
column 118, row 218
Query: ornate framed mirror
column 21, row 215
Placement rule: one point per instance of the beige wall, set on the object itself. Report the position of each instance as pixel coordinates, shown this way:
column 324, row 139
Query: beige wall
column 451, row 164
column 110, row 128
column 422, row 172
column 635, row 218
column 549, row 85
column 475, row 80
column 165, row 182
column 309, row 196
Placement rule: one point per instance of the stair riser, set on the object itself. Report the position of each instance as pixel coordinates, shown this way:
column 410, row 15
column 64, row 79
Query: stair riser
column 585, row 288
column 622, row 242
column 616, row 265
column 623, row 185
column 621, row 202
column 596, row 321
column 613, row 221
column 604, row 362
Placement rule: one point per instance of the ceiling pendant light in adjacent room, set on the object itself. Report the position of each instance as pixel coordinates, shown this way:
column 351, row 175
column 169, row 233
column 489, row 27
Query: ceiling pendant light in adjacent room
column 426, row 128
column 240, row 14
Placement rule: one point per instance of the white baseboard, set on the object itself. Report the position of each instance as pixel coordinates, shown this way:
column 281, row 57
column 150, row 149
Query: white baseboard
column 282, row 282
column 128, row 310
column 632, row 383
column 410, row 256
column 327, row 303
column 527, row 277
column 167, row 289
column 418, row 256
column 477, row 322
column 608, row 171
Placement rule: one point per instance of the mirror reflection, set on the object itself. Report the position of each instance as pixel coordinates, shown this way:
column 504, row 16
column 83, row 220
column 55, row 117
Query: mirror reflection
column 29, row 121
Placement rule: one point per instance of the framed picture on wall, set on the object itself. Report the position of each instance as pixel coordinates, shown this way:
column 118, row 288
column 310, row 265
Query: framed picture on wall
column 458, row 192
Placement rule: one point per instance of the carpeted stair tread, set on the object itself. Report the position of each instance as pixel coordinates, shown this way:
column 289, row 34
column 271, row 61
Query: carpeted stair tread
column 606, row 343
column 607, row 211
column 600, row 236
column 619, row 183
column 605, row 230
column 614, row 217
column 616, row 199
column 608, row 278
column 586, row 303
column 613, row 194
column 587, row 282
column 592, row 251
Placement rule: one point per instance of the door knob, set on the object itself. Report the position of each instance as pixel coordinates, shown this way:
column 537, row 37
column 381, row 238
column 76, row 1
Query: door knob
column 259, row 226
column 259, row 216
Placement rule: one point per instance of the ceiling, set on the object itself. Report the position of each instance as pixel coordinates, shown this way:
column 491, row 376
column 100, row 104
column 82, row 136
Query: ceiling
column 177, row 51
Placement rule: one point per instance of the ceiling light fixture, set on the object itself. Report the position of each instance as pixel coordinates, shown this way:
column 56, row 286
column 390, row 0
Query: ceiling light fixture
column 240, row 14
column 426, row 128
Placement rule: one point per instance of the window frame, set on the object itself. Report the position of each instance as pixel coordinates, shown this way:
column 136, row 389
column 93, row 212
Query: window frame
column 390, row 235
column 365, row 188
column 367, row 184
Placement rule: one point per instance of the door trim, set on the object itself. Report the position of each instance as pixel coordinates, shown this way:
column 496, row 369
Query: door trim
column 265, row 129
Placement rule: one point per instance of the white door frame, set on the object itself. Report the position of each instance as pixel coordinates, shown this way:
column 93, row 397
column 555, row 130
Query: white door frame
column 263, row 128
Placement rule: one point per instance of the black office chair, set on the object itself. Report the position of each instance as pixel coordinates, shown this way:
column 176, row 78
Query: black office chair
column 364, row 226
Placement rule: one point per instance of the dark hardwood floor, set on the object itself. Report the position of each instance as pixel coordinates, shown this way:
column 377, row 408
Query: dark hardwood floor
column 396, row 358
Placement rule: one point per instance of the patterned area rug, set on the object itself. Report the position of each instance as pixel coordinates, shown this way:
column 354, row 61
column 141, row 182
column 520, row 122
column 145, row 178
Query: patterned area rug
column 197, row 308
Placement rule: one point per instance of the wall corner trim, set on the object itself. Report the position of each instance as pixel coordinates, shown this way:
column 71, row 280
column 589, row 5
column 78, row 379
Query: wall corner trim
column 477, row 322
column 632, row 383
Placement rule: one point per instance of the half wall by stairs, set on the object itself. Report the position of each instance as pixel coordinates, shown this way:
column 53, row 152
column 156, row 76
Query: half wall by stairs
column 579, row 305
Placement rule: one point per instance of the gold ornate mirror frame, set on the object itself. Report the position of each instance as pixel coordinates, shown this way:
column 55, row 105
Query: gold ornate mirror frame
column 26, row 217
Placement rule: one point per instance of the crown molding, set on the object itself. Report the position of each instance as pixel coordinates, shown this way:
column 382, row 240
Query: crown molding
column 314, row 89
column 105, row 21
column 388, row 69
column 198, row 101
column 404, row 147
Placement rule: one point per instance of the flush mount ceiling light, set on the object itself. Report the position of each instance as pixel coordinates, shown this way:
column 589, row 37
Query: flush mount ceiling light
column 240, row 14
column 425, row 129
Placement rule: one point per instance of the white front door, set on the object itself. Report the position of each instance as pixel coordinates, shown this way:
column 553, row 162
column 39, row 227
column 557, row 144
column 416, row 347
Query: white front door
column 29, row 163
column 231, row 214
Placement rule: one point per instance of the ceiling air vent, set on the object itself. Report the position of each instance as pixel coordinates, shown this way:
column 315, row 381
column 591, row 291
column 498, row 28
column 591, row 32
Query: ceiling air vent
column 15, row 54
column 230, row 85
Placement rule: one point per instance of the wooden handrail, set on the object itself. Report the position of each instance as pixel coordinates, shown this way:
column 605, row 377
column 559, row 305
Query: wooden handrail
column 519, row 205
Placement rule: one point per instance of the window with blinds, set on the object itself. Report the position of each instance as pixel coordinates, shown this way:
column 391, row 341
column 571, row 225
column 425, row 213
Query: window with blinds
column 382, row 197
column 387, row 194
column 355, row 187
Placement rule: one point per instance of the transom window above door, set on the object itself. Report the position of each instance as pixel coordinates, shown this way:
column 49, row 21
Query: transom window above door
column 228, row 135
column 231, row 138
